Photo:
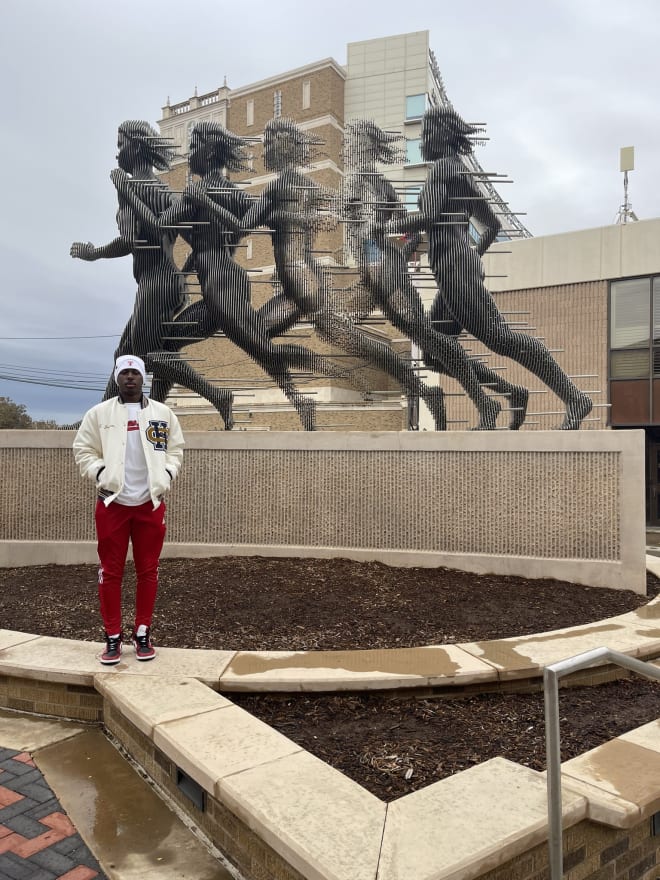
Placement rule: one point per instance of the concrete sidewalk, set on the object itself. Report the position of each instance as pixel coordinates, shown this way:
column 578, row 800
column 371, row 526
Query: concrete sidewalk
column 69, row 801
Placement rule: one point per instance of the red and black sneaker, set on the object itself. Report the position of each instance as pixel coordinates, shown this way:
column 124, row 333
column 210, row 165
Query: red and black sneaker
column 112, row 654
column 144, row 650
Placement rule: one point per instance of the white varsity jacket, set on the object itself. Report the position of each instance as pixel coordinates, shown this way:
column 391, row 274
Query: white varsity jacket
column 100, row 444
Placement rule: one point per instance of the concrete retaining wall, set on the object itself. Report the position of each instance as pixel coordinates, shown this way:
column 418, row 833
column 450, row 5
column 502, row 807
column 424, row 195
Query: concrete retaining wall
column 568, row 505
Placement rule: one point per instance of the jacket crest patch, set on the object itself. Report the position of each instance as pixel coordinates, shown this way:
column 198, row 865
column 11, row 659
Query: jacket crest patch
column 157, row 433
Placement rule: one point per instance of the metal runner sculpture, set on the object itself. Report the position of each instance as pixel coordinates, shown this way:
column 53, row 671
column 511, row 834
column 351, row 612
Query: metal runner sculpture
column 212, row 215
column 143, row 198
column 290, row 207
column 448, row 201
column 216, row 207
column 369, row 202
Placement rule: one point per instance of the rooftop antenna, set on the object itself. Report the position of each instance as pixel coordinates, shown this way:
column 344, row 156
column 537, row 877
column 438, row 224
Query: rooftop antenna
column 627, row 163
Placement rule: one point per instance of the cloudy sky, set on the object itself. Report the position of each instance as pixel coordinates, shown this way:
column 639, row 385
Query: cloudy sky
column 562, row 84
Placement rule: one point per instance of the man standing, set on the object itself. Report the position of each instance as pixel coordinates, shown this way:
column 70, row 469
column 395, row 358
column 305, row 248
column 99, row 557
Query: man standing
column 132, row 448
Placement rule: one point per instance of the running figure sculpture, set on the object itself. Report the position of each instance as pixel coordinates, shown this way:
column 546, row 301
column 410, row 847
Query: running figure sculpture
column 447, row 202
column 289, row 206
column 216, row 207
column 369, row 202
column 143, row 198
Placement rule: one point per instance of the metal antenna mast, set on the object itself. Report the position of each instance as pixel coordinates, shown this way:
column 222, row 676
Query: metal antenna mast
column 627, row 163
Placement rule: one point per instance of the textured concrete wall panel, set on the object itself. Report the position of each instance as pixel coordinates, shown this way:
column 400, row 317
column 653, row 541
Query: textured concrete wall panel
column 560, row 496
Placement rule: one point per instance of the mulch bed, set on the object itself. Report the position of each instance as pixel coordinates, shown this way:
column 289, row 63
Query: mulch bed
column 391, row 745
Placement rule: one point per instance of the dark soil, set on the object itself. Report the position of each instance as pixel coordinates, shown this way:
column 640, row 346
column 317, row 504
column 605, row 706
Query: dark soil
column 390, row 744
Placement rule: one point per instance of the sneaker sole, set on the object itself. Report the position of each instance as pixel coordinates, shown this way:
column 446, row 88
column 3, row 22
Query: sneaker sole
column 110, row 662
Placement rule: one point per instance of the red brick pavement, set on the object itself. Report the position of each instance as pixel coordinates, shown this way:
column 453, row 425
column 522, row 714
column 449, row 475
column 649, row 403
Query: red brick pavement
column 37, row 839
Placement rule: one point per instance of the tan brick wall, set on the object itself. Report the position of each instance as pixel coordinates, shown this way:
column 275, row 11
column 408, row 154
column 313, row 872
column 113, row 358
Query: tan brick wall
column 591, row 852
column 327, row 97
column 254, row 858
column 329, row 418
column 569, row 317
column 50, row 698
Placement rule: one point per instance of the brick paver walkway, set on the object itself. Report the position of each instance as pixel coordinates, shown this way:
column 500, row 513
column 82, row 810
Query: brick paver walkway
column 37, row 840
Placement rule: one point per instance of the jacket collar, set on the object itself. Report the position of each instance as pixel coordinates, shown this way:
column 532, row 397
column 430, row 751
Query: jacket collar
column 144, row 403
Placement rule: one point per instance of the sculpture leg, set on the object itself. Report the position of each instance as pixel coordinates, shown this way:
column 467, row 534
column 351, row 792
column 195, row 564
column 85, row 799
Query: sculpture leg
column 160, row 388
column 518, row 395
column 340, row 331
column 247, row 330
column 404, row 309
column 472, row 306
column 535, row 357
column 279, row 314
column 190, row 325
column 175, row 370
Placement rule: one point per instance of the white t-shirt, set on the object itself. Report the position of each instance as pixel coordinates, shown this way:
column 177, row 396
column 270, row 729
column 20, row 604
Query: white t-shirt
column 136, row 477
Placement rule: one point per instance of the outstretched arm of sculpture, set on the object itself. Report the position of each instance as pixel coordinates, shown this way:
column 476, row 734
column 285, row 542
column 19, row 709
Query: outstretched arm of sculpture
column 195, row 194
column 85, row 250
column 178, row 212
column 274, row 207
column 305, row 213
column 413, row 224
column 432, row 204
column 259, row 214
column 121, row 246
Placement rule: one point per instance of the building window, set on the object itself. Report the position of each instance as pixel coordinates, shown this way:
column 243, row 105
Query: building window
column 630, row 327
column 249, row 113
column 410, row 197
column 473, row 232
column 277, row 103
column 306, row 94
column 415, row 106
column 414, row 151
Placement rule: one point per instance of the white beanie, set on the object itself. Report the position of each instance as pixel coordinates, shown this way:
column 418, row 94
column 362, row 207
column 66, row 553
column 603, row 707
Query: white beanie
column 129, row 362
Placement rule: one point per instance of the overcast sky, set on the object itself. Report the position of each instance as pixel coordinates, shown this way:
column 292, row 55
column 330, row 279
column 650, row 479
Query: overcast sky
column 562, row 84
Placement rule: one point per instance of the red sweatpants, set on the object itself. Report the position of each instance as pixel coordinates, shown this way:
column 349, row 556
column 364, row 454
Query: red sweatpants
column 145, row 527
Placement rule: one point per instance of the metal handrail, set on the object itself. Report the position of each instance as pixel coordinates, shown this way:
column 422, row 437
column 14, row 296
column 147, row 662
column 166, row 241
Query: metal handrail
column 551, row 676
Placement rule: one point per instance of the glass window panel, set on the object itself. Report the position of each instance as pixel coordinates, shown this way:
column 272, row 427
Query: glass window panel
column 633, row 364
column 630, row 313
column 656, row 361
column 656, row 309
column 410, row 197
column 413, row 151
column 415, row 106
